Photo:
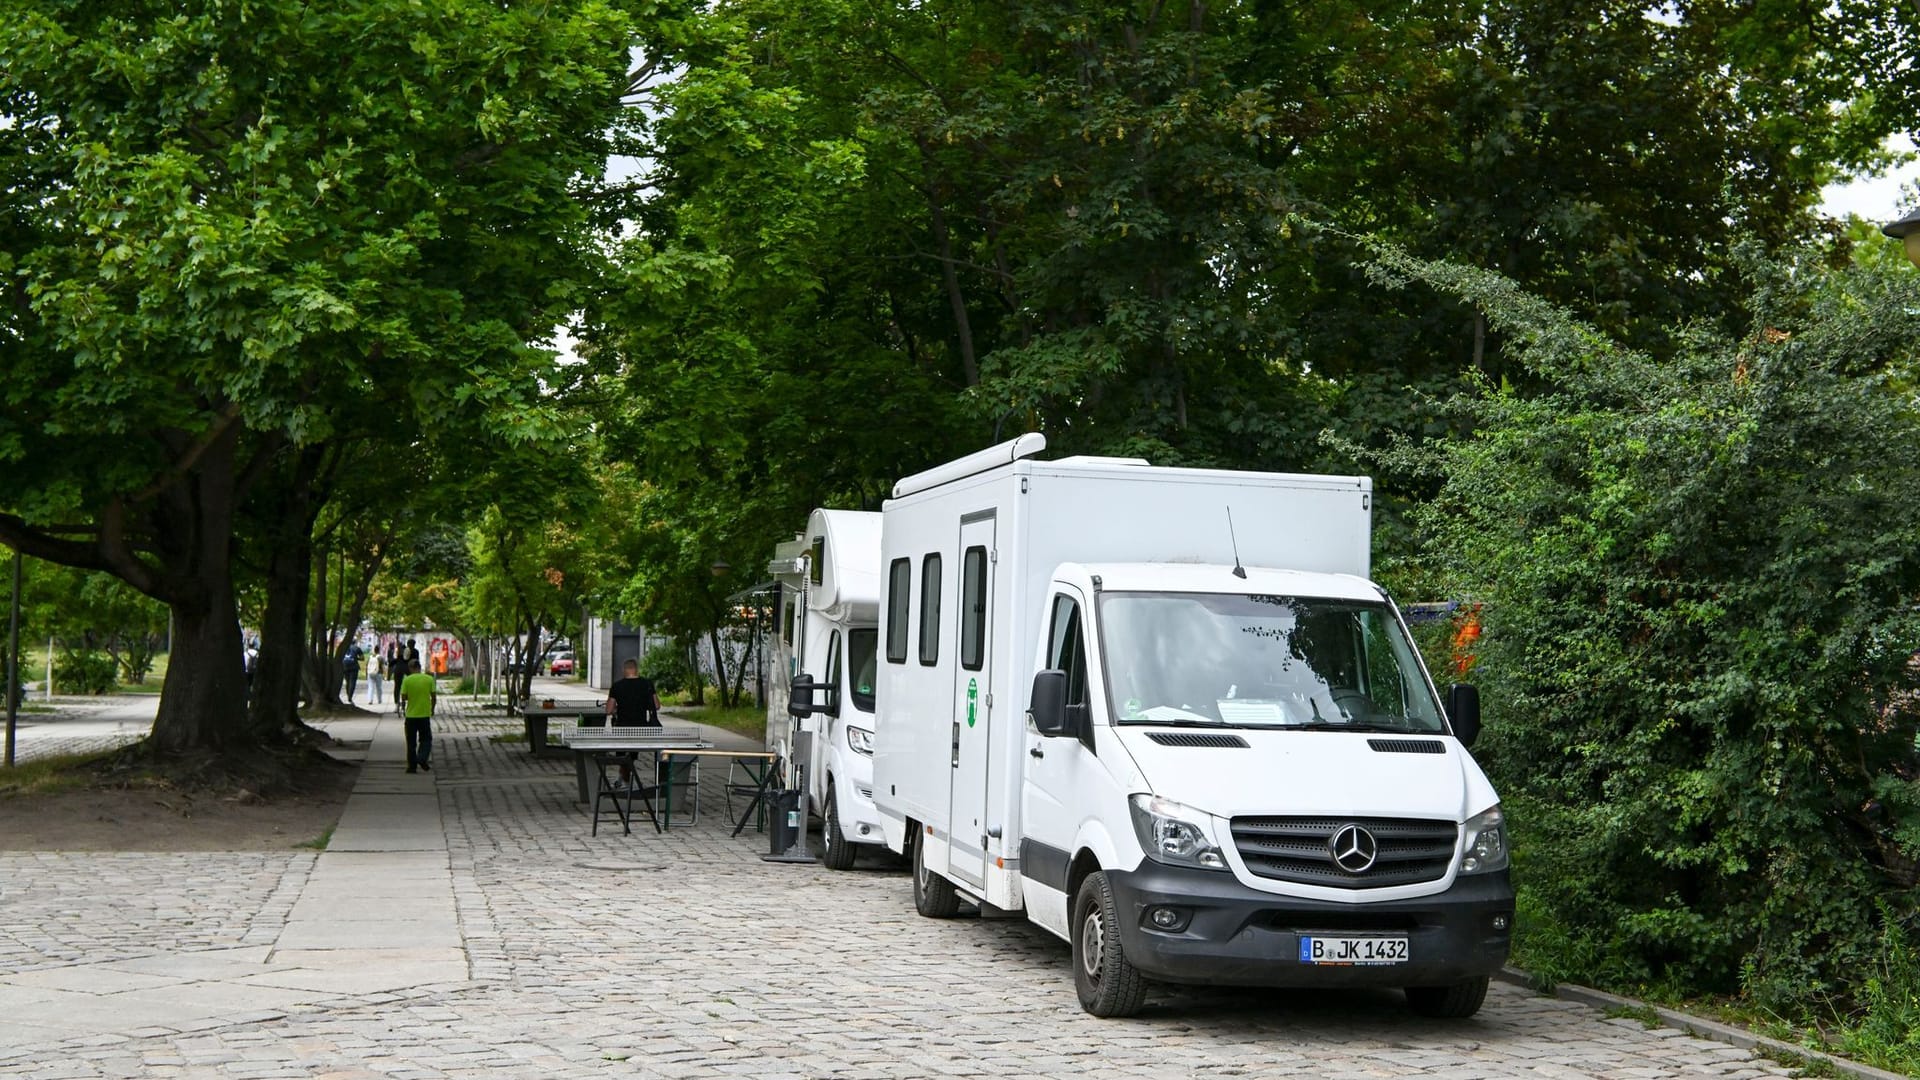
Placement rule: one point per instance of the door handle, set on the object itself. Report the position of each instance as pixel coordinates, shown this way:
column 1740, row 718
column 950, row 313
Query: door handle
column 1036, row 752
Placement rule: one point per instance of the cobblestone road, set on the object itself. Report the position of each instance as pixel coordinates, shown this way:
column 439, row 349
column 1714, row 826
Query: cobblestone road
column 685, row 955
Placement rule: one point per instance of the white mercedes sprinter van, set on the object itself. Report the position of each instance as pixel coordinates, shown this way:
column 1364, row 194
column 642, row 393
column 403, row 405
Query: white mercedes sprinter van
column 1164, row 713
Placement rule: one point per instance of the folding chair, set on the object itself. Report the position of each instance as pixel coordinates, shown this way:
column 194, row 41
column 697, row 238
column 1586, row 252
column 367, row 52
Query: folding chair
column 621, row 796
column 681, row 779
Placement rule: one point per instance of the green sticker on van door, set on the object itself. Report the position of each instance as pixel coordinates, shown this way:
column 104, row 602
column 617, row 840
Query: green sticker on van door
column 973, row 695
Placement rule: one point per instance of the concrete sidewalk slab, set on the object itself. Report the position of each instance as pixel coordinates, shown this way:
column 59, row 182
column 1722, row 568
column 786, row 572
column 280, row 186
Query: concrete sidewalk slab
column 361, row 934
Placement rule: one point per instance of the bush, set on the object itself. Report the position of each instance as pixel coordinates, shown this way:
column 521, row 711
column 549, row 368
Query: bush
column 666, row 665
column 85, row 672
column 1699, row 576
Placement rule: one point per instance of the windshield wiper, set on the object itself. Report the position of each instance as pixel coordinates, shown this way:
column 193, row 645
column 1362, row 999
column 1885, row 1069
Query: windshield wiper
column 1176, row 722
column 1371, row 729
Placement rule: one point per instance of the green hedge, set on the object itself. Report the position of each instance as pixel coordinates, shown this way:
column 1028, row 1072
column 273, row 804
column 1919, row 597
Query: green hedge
column 1700, row 574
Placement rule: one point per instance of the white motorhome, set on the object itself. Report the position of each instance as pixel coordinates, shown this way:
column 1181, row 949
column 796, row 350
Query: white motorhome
column 820, row 714
column 1165, row 714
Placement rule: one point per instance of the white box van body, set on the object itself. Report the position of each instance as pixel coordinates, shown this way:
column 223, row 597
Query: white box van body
column 827, row 622
column 1199, row 751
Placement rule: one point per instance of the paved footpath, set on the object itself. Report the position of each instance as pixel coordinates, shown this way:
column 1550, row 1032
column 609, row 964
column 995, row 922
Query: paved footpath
column 463, row 923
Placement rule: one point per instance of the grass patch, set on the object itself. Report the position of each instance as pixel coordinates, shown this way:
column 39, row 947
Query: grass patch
column 1883, row 1032
column 318, row 843
column 749, row 720
column 1801, row 1064
column 509, row 737
column 1643, row 1013
column 50, row 775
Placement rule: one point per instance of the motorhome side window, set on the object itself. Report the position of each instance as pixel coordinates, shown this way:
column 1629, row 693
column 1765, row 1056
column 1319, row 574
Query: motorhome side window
column 861, row 648
column 783, row 615
column 833, row 663
column 1067, row 649
column 973, row 607
column 930, row 609
column 898, row 574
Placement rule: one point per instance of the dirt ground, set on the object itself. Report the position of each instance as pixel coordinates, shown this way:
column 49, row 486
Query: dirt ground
column 162, row 819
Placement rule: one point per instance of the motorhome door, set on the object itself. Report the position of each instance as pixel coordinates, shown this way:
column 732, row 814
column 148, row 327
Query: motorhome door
column 972, row 700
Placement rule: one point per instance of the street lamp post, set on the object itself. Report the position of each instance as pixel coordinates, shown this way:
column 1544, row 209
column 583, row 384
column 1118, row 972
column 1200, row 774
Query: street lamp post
column 13, row 659
column 1907, row 230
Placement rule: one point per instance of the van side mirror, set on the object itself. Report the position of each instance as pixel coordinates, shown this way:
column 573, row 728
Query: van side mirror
column 1047, row 706
column 800, row 696
column 1463, row 712
column 807, row 698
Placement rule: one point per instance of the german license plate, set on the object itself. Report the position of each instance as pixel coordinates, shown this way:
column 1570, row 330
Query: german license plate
column 1353, row 950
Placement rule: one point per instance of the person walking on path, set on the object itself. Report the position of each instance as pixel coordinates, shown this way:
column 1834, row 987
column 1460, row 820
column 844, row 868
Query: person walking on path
column 375, row 682
column 397, row 667
column 419, row 693
column 350, row 670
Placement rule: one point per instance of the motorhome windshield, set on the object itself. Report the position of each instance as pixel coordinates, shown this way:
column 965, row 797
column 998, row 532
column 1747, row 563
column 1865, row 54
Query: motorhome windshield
column 1261, row 661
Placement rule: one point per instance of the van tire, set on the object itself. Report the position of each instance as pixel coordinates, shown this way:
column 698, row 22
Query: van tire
column 835, row 852
column 933, row 895
column 1107, row 982
column 1455, row 1002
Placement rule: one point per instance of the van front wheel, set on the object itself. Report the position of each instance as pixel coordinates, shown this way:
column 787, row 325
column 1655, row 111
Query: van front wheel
column 933, row 895
column 1108, row 983
column 838, row 854
column 1455, row 1002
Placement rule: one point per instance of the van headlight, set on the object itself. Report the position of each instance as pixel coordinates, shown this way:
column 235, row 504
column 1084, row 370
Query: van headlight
column 1174, row 834
column 1485, row 849
column 860, row 740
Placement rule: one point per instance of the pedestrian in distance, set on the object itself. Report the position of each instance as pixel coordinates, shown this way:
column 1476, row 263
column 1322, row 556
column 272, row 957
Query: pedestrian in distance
column 376, row 680
column 350, row 670
column 397, row 666
column 420, row 693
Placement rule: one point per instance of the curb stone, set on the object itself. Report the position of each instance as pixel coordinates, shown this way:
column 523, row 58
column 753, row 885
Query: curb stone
column 1694, row 1025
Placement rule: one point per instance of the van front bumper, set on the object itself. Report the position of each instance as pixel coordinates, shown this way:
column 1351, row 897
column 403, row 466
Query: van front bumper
column 1239, row 936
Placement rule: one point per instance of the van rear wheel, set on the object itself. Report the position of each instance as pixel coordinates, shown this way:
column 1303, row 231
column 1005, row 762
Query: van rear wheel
column 1108, row 983
column 837, row 853
column 933, row 895
column 1455, row 1002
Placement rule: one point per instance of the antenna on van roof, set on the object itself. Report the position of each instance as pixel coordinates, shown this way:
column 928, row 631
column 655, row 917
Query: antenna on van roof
column 1238, row 570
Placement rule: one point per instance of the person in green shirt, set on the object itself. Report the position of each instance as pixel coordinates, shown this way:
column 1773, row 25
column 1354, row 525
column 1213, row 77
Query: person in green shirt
column 418, row 692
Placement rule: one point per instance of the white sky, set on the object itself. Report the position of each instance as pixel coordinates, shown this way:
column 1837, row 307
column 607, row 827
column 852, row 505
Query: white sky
column 1880, row 198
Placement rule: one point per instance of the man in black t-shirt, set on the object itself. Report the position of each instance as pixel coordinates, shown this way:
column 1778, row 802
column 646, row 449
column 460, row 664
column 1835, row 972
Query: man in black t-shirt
column 633, row 702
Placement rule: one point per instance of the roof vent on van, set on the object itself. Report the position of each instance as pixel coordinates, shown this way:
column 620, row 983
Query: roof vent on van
column 1407, row 746
column 1194, row 738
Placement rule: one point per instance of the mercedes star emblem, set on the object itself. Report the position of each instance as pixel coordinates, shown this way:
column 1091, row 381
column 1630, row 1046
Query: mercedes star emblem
column 1354, row 849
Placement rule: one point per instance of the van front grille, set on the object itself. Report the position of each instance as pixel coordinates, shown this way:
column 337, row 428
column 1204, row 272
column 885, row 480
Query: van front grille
column 1406, row 851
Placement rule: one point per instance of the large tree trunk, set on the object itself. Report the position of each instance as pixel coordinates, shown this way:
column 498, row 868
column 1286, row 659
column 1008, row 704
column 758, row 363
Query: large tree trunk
column 203, row 702
column 277, row 676
column 322, row 665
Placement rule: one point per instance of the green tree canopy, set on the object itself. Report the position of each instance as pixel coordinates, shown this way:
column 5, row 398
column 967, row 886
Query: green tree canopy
column 236, row 231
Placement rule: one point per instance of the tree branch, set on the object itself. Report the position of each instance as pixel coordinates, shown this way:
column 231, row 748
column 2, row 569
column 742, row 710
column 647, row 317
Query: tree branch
column 223, row 420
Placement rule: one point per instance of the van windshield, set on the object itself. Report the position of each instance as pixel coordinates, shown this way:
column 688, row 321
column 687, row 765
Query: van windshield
column 1261, row 661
